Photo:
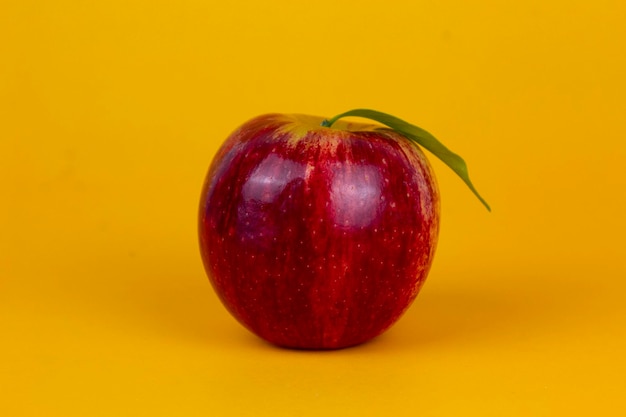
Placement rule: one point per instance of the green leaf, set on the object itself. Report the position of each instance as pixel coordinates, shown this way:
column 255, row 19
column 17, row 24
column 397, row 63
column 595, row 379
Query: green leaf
column 420, row 137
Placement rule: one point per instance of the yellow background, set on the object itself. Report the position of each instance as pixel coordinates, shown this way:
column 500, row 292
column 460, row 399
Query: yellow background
column 110, row 112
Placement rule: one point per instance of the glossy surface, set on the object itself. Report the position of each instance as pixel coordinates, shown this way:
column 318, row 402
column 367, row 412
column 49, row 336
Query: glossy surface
column 316, row 237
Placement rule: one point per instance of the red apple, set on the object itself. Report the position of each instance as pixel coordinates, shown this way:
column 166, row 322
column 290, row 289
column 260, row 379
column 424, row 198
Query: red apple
column 318, row 237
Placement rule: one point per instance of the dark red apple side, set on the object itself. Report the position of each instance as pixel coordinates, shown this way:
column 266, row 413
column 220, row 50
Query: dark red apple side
column 320, row 241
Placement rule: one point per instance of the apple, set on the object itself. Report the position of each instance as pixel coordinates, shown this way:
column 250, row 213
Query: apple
column 319, row 234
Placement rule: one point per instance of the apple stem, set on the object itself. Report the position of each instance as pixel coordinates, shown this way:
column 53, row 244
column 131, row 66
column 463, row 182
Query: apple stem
column 420, row 137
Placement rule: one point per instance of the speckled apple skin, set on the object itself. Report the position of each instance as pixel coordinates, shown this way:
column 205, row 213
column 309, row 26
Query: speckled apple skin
column 316, row 237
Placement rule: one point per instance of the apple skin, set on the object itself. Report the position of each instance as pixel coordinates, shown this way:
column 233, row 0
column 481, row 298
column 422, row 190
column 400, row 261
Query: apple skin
column 316, row 237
